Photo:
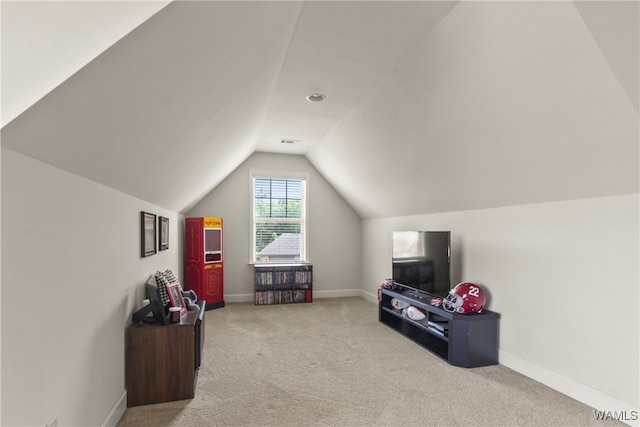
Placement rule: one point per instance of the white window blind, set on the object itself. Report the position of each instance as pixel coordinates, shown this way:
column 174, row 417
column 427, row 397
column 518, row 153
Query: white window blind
column 279, row 225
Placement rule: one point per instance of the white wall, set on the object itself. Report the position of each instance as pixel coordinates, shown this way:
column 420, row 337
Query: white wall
column 564, row 276
column 0, row 289
column 72, row 276
column 503, row 103
column 334, row 229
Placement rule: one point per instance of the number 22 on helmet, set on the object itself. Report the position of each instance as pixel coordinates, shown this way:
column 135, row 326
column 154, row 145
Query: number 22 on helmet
column 465, row 298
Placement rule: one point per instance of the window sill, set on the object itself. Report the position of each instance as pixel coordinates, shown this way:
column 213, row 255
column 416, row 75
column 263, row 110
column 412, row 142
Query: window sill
column 280, row 264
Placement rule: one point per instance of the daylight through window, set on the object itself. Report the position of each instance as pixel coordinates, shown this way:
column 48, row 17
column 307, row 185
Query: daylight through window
column 279, row 226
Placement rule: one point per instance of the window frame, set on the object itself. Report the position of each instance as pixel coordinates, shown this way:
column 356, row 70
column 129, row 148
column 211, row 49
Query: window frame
column 303, row 221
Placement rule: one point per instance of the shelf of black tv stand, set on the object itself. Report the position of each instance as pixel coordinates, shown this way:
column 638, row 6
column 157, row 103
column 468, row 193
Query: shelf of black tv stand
column 470, row 340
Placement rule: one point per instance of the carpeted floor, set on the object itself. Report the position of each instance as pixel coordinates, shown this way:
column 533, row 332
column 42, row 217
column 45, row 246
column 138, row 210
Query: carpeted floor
column 331, row 363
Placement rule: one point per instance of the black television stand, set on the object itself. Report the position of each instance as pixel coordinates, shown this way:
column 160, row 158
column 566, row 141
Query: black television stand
column 466, row 340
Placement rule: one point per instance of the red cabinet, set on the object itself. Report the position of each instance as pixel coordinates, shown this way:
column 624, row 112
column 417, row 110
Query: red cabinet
column 203, row 257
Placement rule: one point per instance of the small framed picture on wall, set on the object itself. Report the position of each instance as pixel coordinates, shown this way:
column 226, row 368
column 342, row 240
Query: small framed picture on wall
column 148, row 234
column 163, row 229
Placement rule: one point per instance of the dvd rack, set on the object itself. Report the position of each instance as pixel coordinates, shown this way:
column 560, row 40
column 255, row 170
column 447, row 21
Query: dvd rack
column 283, row 283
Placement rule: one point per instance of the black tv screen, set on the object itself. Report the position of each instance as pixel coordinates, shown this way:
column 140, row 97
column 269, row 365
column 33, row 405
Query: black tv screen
column 421, row 261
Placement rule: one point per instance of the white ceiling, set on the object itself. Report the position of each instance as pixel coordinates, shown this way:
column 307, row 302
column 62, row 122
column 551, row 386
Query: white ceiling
column 342, row 50
column 164, row 101
column 45, row 42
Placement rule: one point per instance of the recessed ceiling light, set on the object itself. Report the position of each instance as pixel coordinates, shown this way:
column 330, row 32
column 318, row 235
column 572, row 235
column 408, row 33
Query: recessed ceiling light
column 315, row 97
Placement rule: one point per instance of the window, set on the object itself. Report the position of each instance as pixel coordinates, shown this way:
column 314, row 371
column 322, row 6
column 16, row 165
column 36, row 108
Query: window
column 278, row 219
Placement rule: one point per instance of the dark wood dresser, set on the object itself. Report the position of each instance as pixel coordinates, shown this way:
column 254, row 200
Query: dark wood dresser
column 162, row 361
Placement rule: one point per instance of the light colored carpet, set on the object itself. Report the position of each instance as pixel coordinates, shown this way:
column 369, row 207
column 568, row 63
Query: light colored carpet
column 331, row 363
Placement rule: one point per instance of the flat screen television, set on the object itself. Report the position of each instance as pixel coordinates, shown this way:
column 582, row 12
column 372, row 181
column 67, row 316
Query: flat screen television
column 421, row 261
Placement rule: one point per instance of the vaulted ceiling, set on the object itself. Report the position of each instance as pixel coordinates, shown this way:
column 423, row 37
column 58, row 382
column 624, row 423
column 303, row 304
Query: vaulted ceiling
column 430, row 106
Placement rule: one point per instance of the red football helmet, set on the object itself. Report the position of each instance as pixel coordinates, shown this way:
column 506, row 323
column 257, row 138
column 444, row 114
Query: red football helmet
column 465, row 298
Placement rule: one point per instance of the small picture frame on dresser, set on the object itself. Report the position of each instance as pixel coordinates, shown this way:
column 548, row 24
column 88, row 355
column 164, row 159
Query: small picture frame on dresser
column 175, row 296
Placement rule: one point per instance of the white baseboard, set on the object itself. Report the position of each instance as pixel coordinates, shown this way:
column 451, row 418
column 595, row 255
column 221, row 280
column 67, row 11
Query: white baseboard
column 369, row 296
column 339, row 293
column 117, row 411
column 239, row 298
column 580, row 392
